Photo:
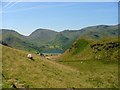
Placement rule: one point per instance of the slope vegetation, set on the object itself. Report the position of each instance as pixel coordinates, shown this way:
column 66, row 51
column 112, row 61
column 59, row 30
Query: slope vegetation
column 39, row 72
column 84, row 49
column 21, row 72
column 97, row 59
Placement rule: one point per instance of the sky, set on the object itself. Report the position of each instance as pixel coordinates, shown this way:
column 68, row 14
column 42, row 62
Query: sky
column 26, row 17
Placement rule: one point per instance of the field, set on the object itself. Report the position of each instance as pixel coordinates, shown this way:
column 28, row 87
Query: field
column 98, row 73
column 43, row 73
column 97, row 60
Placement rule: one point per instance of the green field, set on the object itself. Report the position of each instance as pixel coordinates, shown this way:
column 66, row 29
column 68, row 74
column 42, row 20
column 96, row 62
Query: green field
column 97, row 60
column 43, row 73
column 98, row 73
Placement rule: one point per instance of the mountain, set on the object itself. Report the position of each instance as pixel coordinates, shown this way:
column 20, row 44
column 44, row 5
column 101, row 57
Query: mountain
column 45, row 39
column 42, row 37
column 100, row 31
column 13, row 39
column 65, row 38
column 60, row 41
column 39, row 40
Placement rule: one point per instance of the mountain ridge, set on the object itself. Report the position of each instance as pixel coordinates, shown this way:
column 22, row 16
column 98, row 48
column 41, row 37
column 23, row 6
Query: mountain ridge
column 43, row 39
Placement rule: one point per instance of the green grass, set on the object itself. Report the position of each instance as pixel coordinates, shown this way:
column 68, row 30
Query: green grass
column 82, row 50
column 79, row 46
column 68, row 72
column 42, row 73
column 37, row 73
column 99, row 73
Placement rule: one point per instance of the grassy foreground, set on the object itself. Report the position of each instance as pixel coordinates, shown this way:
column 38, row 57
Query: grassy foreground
column 43, row 73
column 98, row 73
column 96, row 59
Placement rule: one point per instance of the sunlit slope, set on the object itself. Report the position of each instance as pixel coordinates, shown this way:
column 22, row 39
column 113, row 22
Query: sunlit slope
column 97, row 59
column 84, row 49
column 17, row 68
column 42, row 73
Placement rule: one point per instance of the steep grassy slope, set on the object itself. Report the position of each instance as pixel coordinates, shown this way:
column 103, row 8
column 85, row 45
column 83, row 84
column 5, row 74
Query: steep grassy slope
column 84, row 49
column 41, row 73
column 98, row 59
column 38, row 73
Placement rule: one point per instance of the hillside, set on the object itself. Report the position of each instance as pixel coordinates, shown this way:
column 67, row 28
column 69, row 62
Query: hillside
column 33, row 74
column 45, row 39
column 14, row 39
column 98, row 59
column 99, row 31
column 87, row 49
column 65, row 38
column 42, row 37
column 39, row 73
column 18, row 70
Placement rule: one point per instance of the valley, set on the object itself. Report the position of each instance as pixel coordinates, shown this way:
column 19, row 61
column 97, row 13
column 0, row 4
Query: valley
column 86, row 58
column 64, row 45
